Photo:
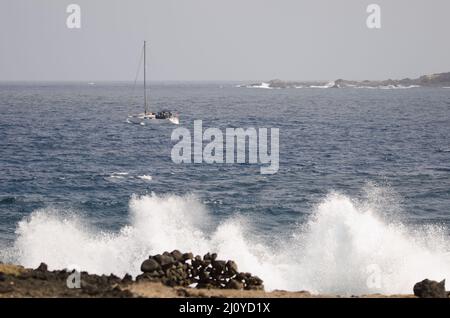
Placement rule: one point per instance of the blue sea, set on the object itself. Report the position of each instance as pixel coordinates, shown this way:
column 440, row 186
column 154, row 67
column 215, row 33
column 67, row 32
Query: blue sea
column 363, row 186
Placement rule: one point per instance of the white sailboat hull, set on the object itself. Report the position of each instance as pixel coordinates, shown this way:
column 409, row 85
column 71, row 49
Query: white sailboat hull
column 142, row 119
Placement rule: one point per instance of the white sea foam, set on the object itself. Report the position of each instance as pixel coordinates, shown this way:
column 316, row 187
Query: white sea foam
column 388, row 87
column 145, row 177
column 330, row 253
column 329, row 85
column 121, row 173
column 398, row 87
column 121, row 176
column 262, row 85
column 118, row 175
column 342, row 241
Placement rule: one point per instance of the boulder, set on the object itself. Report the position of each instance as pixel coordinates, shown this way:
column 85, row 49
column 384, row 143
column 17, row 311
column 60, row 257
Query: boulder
column 127, row 278
column 203, row 276
column 219, row 265
column 42, row 267
column 147, row 277
column 197, row 261
column 150, row 265
column 232, row 267
column 177, row 255
column 430, row 289
column 164, row 260
column 234, row 284
column 240, row 276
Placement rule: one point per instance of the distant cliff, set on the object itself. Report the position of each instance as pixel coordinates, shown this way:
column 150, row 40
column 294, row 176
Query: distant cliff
column 434, row 80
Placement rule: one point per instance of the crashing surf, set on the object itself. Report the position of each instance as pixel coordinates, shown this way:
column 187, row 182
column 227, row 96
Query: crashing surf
column 340, row 248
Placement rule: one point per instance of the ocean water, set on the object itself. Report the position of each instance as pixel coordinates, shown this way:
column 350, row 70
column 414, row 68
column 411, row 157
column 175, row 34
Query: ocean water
column 360, row 204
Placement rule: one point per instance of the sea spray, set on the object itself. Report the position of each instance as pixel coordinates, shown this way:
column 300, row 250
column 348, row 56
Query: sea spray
column 334, row 251
column 340, row 245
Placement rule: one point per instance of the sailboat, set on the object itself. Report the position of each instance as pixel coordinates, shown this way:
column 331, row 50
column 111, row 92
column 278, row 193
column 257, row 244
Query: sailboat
column 160, row 116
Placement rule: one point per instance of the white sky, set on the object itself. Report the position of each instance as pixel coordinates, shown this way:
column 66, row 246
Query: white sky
column 223, row 40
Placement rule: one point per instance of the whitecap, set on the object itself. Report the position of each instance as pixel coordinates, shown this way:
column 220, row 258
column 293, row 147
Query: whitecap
column 145, row 177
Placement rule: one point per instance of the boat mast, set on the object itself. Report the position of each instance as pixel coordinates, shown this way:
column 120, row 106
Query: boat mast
column 145, row 79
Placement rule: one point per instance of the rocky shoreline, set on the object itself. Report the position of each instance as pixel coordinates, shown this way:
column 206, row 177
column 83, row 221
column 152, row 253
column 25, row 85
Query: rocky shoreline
column 166, row 275
column 433, row 80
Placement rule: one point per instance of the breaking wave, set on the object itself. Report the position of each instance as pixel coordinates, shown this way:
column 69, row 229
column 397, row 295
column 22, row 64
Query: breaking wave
column 345, row 247
column 390, row 87
column 122, row 176
column 328, row 85
column 260, row 85
column 145, row 177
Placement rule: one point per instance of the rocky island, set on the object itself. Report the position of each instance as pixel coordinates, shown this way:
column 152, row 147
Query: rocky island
column 434, row 80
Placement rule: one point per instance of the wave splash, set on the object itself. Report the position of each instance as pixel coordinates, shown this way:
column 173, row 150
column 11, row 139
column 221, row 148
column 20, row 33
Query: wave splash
column 349, row 248
column 334, row 252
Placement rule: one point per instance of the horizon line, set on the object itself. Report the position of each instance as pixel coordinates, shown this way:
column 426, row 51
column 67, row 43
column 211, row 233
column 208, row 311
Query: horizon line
column 196, row 80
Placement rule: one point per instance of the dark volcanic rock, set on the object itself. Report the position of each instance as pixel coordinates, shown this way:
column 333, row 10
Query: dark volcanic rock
column 171, row 269
column 203, row 276
column 232, row 267
column 127, row 278
column 241, row 276
column 178, row 269
column 430, row 289
column 155, row 276
column 42, row 267
column 197, row 261
column 41, row 282
column 150, row 265
column 164, row 260
column 219, row 265
column 177, row 255
column 234, row 284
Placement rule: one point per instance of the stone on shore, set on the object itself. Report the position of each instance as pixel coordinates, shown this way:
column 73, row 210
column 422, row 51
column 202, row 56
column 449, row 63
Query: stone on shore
column 149, row 265
column 42, row 267
column 430, row 289
column 178, row 269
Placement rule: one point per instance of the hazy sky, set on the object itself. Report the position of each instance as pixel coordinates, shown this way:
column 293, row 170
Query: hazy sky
column 223, row 40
